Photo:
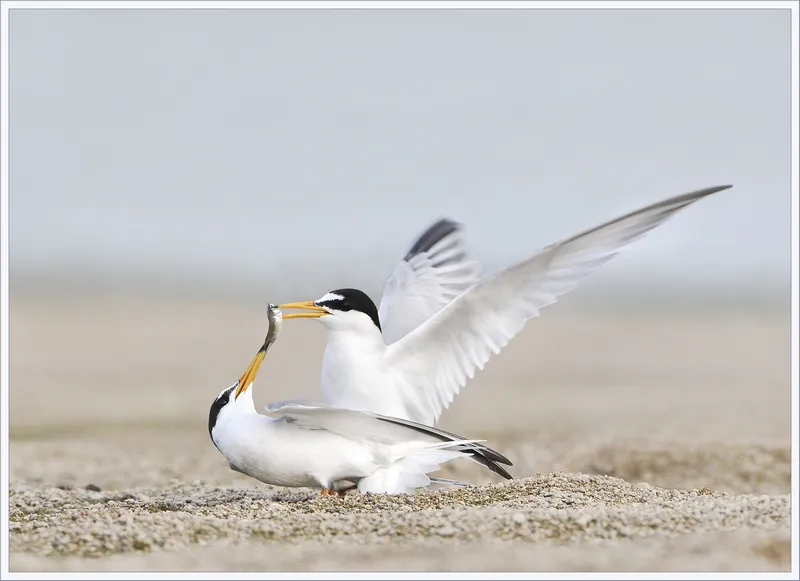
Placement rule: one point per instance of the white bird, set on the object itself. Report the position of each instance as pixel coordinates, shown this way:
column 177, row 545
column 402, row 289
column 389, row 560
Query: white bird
column 332, row 448
column 436, row 333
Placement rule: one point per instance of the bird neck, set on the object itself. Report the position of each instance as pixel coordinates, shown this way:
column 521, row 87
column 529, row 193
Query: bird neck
column 364, row 338
column 349, row 358
column 244, row 403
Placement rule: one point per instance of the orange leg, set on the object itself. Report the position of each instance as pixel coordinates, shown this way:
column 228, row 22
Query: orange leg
column 341, row 493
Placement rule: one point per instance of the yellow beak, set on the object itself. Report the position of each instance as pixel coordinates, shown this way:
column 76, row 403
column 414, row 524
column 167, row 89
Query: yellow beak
column 247, row 378
column 316, row 313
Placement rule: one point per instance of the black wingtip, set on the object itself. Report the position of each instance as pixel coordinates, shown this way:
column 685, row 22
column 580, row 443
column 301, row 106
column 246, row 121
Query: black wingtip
column 715, row 189
column 487, row 457
column 480, row 453
column 492, row 455
column 491, row 464
column 437, row 231
column 697, row 194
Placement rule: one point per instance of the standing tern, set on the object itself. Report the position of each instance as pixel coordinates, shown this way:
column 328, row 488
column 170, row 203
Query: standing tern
column 436, row 327
column 332, row 448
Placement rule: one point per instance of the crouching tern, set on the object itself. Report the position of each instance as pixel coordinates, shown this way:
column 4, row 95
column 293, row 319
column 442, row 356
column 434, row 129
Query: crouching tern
column 333, row 448
column 438, row 323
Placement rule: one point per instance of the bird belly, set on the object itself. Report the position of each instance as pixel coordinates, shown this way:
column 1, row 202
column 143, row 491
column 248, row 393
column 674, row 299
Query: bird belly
column 281, row 454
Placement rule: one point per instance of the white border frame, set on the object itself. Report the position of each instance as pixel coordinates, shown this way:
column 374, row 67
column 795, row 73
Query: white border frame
column 386, row 4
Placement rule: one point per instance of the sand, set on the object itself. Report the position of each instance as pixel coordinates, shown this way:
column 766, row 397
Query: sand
column 647, row 440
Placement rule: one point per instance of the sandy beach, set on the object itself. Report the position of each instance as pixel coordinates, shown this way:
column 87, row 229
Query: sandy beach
column 649, row 439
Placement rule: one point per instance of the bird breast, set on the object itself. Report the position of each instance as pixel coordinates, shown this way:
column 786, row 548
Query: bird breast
column 353, row 376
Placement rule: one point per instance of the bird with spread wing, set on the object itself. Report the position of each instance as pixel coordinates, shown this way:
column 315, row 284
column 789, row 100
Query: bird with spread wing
column 438, row 323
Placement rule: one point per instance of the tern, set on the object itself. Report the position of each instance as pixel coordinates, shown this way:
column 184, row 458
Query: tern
column 306, row 444
column 436, row 326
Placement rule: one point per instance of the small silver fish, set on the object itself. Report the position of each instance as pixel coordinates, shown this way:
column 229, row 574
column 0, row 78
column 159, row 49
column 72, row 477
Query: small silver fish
column 275, row 318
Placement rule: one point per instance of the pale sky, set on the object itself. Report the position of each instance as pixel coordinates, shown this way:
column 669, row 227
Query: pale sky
column 304, row 150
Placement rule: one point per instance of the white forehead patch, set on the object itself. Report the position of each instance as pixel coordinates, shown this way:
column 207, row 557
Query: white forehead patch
column 329, row 297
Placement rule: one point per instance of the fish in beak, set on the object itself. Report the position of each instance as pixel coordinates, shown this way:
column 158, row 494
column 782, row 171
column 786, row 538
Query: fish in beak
column 275, row 318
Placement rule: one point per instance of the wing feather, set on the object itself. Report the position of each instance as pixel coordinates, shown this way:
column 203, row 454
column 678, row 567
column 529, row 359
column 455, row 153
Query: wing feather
column 435, row 360
column 365, row 426
column 434, row 272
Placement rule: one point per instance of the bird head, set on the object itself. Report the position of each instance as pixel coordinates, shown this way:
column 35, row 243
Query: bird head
column 228, row 397
column 341, row 309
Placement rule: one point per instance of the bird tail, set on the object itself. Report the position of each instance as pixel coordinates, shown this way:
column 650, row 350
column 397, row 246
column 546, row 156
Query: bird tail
column 410, row 469
column 447, row 481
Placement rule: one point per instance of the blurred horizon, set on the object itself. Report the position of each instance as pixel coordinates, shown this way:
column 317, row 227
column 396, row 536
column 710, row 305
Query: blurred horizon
column 283, row 153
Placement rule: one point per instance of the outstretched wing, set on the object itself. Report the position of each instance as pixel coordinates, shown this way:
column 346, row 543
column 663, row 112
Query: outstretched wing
column 435, row 361
column 366, row 426
column 432, row 274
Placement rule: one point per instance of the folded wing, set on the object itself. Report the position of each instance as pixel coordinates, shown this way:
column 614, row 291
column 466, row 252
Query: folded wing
column 366, row 426
column 435, row 361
